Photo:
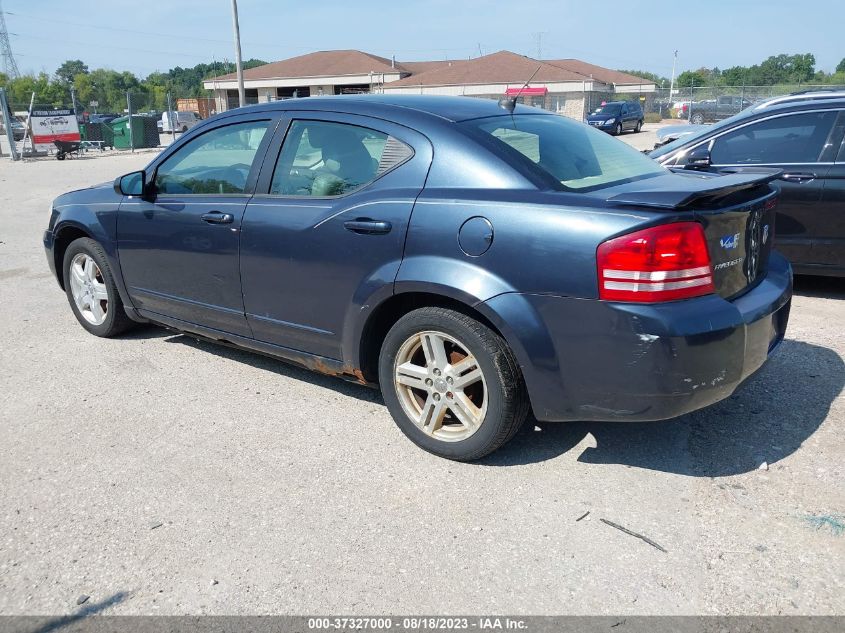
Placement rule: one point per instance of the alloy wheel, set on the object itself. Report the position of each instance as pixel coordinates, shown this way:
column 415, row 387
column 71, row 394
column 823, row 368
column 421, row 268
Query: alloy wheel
column 88, row 288
column 440, row 385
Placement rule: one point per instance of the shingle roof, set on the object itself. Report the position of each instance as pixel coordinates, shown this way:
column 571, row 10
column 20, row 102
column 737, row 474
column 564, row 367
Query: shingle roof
column 503, row 67
column 422, row 67
column 604, row 75
column 319, row 64
column 497, row 68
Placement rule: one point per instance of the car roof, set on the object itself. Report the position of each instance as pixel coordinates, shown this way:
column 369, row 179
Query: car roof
column 397, row 107
column 801, row 97
column 812, row 103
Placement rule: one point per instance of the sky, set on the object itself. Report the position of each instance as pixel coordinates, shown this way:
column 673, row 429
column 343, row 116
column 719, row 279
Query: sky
column 144, row 37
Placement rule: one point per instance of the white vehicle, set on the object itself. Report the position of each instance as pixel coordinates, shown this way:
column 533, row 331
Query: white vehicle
column 183, row 121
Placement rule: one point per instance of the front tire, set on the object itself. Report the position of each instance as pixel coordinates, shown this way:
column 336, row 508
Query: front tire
column 91, row 290
column 618, row 130
column 451, row 384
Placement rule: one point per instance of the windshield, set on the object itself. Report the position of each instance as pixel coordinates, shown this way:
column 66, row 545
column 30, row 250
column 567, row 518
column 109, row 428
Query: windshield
column 663, row 150
column 573, row 154
column 608, row 109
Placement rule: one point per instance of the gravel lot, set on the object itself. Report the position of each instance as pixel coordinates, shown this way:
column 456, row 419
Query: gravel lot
column 160, row 475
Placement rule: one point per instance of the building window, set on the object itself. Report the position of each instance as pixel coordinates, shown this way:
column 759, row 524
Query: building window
column 293, row 93
column 557, row 103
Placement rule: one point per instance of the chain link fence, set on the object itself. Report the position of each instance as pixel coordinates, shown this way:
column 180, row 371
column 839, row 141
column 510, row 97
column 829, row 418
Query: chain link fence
column 127, row 120
column 707, row 104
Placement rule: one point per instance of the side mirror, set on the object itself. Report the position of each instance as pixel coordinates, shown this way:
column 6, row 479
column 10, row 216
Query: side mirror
column 698, row 158
column 131, row 184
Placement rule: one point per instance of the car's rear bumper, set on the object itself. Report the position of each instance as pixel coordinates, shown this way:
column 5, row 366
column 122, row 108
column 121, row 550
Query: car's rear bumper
column 599, row 360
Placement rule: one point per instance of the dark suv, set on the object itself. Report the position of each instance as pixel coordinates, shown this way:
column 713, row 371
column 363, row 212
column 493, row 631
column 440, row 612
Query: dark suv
column 801, row 135
column 617, row 116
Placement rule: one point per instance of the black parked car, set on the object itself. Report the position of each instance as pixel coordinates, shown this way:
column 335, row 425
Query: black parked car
column 716, row 109
column 801, row 135
column 617, row 116
column 472, row 260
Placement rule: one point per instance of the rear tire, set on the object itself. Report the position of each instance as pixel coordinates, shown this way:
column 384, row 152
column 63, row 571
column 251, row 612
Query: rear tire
column 451, row 384
column 697, row 119
column 639, row 127
column 91, row 290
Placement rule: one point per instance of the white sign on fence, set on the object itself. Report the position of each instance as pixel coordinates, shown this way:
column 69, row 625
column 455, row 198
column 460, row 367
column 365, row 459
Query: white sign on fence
column 49, row 126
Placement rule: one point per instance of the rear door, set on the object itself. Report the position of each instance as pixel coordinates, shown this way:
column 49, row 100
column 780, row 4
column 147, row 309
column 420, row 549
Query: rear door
column 326, row 228
column 802, row 144
column 829, row 248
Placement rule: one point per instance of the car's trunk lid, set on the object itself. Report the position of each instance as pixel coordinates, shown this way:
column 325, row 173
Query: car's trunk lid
column 736, row 210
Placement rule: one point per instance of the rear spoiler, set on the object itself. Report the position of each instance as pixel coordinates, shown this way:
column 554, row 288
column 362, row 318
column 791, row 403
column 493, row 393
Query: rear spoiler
column 699, row 187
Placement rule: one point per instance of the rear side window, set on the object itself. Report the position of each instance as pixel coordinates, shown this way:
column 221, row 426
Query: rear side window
column 322, row 158
column 794, row 138
column 218, row 162
column 571, row 153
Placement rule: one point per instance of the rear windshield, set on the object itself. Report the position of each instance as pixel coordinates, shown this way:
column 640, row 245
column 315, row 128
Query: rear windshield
column 569, row 152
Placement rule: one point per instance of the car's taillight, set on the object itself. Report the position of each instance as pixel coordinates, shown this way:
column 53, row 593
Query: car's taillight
column 662, row 263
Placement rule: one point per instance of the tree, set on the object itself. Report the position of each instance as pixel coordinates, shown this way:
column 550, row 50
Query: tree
column 840, row 67
column 700, row 77
column 70, row 69
column 646, row 75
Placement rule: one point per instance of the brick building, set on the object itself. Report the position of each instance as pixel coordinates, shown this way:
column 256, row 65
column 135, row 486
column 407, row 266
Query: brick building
column 568, row 86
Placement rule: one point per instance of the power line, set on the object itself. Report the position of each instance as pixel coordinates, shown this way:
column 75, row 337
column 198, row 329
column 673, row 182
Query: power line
column 122, row 48
column 180, row 36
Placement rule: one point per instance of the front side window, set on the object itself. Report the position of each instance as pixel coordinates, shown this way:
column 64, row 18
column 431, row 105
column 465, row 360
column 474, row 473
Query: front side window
column 218, row 162
column 321, row 158
column 795, row 138
column 573, row 154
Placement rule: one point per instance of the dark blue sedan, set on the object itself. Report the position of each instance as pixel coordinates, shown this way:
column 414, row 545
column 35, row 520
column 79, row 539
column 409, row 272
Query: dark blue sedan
column 475, row 260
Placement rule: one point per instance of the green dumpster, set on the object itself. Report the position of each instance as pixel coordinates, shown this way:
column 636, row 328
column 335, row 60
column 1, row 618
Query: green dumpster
column 97, row 132
column 144, row 132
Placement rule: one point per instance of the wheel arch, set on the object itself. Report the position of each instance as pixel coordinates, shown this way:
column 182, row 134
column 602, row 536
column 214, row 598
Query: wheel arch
column 70, row 229
column 66, row 234
column 393, row 308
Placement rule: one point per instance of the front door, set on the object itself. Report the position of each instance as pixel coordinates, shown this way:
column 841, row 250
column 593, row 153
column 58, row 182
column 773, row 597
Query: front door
column 328, row 229
column 801, row 144
column 178, row 247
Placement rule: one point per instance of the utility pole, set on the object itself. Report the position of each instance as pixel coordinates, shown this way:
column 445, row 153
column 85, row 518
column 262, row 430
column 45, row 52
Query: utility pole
column 73, row 100
column 672, row 81
column 10, row 66
column 238, row 62
column 172, row 118
column 129, row 119
column 5, row 115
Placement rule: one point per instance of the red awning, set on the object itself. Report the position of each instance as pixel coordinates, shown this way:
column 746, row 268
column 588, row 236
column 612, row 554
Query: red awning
column 526, row 92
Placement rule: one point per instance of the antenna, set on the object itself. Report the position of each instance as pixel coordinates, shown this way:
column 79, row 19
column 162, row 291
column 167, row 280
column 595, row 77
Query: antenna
column 509, row 103
column 10, row 66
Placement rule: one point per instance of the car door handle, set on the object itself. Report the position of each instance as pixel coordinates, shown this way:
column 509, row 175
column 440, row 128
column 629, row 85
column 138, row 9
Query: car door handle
column 366, row 226
column 799, row 178
column 216, row 217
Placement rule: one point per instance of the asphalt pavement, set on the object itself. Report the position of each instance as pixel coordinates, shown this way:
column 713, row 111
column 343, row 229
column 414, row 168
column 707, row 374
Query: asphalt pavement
column 156, row 474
